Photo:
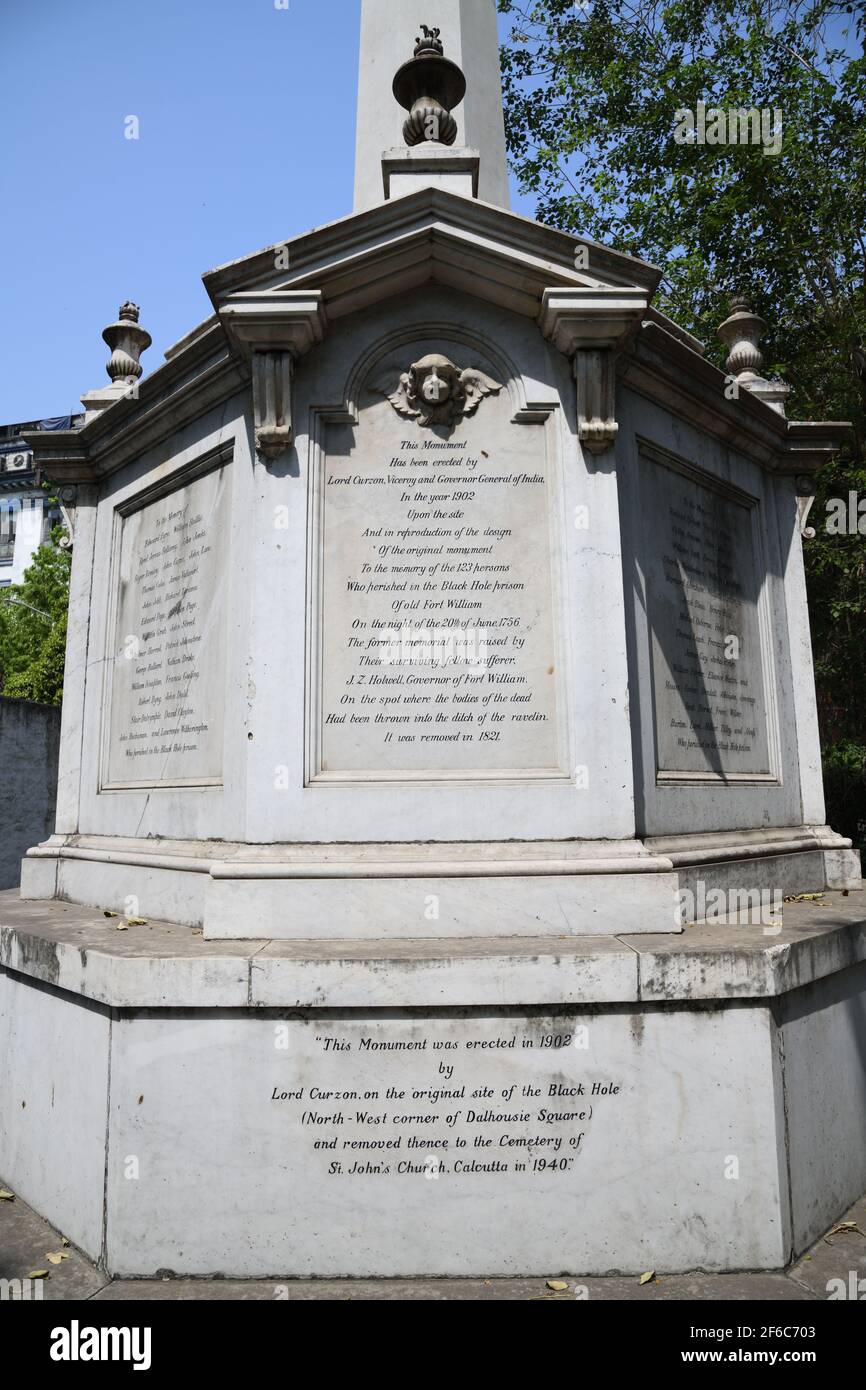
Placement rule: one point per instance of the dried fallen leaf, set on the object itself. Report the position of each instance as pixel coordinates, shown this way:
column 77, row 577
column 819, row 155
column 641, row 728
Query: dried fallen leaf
column 121, row 926
column 7, row 1196
column 645, row 1278
column 198, row 931
column 557, row 1285
column 106, row 913
column 844, row 1228
column 63, row 1240
column 39, row 1274
column 136, row 921
column 55, row 1257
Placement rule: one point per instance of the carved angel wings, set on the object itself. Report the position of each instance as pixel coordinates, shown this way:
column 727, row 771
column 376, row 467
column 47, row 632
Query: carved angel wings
column 476, row 386
column 400, row 398
column 450, row 395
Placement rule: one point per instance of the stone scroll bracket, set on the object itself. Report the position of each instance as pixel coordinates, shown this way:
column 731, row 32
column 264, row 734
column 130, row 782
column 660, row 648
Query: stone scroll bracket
column 67, row 498
column 595, row 374
column 72, row 498
column 272, row 330
column 591, row 327
column 805, row 489
column 273, row 382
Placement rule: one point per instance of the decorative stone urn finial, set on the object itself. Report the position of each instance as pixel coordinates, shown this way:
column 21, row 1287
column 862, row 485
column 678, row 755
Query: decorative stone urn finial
column 127, row 342
column 741, row 333
column 429, row 87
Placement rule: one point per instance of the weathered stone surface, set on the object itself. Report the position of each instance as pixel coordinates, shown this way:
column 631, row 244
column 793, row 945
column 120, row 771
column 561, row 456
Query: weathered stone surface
column 375, row 1152
column 29, row 739
column 162, row 964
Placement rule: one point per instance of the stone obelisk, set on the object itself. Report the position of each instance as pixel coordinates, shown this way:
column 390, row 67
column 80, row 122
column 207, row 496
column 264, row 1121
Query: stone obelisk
column 469, row 36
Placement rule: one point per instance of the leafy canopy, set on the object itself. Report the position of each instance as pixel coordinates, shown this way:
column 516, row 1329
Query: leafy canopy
column 592, row 90
column 33, row 628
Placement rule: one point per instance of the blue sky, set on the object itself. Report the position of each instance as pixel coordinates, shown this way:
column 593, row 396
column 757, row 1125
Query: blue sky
column 247, row 119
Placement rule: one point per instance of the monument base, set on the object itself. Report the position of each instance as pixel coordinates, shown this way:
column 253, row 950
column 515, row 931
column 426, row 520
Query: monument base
column 421, row 891
column 467, row 1107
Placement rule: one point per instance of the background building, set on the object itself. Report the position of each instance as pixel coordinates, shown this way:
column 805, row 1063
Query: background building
column 27, row 512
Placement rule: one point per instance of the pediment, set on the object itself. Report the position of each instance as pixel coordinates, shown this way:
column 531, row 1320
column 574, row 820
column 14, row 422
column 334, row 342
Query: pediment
column 429, row 236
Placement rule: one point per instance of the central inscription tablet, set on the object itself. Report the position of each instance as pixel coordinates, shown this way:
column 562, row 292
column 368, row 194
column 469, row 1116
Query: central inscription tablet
column 436, row 625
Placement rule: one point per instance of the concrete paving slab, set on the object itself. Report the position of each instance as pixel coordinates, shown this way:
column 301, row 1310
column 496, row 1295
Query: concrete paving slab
column 26, row 1240
column 840, row 1255
column 678, row 1288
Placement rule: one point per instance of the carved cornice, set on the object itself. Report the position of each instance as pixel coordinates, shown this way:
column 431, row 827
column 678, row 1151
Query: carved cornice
column 61, row 456
column 279, row 321
column 812, row 443
column 662, row 367
column 204, row 375
column 602, row 318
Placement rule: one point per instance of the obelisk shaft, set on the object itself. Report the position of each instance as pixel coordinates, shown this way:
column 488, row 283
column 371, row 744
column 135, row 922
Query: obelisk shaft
column 389, row 29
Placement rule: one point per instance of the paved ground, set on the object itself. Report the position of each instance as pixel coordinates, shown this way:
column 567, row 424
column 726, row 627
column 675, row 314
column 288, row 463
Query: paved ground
column 26, row 1240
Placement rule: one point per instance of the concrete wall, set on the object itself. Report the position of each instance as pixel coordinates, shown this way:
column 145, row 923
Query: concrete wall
column 736, row 1134
column 823, row 1035
column 29, row 745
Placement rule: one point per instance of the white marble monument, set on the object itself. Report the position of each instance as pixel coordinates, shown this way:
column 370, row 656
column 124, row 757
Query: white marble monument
column 438, row 648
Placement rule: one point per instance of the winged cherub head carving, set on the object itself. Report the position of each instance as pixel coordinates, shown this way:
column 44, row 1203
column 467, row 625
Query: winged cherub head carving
column 435, row 392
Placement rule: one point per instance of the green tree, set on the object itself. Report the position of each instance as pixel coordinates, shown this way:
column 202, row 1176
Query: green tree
column 592, row 90
column 33, row 628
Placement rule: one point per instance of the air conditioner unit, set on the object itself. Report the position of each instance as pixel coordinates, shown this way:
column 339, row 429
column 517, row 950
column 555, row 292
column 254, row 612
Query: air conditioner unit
column 16, row 463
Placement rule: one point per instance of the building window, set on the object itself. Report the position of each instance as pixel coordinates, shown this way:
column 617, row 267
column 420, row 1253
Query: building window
column 51, row 517
column 8, row 522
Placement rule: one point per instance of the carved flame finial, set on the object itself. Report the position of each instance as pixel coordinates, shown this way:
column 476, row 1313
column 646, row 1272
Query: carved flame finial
column 431, row 42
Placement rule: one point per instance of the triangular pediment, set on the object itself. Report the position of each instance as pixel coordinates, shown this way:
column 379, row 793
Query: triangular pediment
column 430, row 236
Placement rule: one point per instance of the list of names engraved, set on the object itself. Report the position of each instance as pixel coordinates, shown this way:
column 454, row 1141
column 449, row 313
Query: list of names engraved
column 167, row 682
column 703, row 591
column 437, row 622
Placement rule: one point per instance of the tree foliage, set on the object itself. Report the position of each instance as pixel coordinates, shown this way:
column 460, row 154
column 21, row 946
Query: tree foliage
column 592, row 90
column 33, row 628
